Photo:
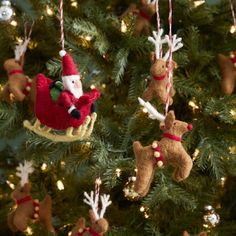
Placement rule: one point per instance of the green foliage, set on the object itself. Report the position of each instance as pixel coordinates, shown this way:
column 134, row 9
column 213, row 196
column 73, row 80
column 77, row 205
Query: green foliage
column 118, row 64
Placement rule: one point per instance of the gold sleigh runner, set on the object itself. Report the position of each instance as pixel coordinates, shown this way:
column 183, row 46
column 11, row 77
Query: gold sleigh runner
column 71, row 134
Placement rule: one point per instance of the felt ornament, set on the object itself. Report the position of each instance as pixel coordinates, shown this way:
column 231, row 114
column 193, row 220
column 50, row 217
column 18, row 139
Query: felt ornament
column 99, row 225
column 26, row 207
column 72, row 112
column 228, row 71
column 144, row 13
column 168, row 151
column 185, row 233
column 19, row 84
column 159, row 68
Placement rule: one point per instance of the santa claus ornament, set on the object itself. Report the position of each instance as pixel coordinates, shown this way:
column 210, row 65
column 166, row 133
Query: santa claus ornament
column 63, row 106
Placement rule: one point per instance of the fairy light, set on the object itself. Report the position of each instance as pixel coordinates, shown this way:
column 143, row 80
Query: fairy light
column 104, row 85
column 92, row 86
column 29, row 231
column 145, row 110
column 70, row 233
column 49, row 11
column 98, row 181
column 88, row 38
column 10, row 184
column 233, row 113
column 44, row 167
column 60, row 185
column 74, row 4
column 198, row 3
column 118, row 172
column 232, row 29
column 142, row 209
column 232, row 150
column 123, row 27
column 63, row 164
column 19, row 40
column 193, row 105
column 196, row 153
column 13, row 23
column 222, row 181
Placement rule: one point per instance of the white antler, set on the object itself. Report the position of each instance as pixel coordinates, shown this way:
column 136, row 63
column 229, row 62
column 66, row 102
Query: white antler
column 23, row 172
column 158, row 42
column 176, row 44
column 105, row 203
column 93, row 202
column 152, row 112
column 21, row 49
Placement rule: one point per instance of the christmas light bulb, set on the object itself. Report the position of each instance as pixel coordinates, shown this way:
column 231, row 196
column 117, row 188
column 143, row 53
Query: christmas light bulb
column 142, row 209
column 232, row 29
column 145, row 110
column 104, row 85
column 118, row 172
column 49, row 11
column 29, row 231
column 222, row 181
column 198, row 3
column 88, row 38
column 123, row 28
column 233, row 113
column 13, row 23
column 44, row 166
column 74, row 4
column 92, row 86
column 19, row 40
column 70, row 233
column 11, row 185
column 98, row 181
column 60, row 185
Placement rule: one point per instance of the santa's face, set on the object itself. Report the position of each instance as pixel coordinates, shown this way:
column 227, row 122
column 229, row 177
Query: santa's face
column 73, row 84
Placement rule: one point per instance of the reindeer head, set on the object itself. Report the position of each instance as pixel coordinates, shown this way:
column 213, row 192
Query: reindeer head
column 148, row 6
column 12, row 64
column 159, row 63
column 173, row 126
column 21, row 192
column 98, row 223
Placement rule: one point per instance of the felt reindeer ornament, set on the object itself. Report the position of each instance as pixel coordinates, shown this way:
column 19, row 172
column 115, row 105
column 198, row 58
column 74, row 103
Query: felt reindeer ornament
column 185, row 233
column 99, row 225
column 19, row 84
column 168, row 151
column 26, row 207
column 144, row 13
column 228, row 71
column 159, row 68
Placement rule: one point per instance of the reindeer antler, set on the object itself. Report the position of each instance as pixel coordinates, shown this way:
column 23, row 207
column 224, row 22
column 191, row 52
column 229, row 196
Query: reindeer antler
column 23, row 171
column 158, row 41
column 93, row 202
column 176, row 44
column 152, row 112
column 105, row 203
column 21, row 48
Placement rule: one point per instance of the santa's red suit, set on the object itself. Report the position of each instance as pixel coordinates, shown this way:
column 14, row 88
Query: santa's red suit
column 54, row 114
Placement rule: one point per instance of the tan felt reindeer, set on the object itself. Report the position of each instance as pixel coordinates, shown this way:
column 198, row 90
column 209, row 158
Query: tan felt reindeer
column 185, row 233
column 168, row 151
column 159, row 77
column 19, row 85
column 27, row 208
column 99, row 225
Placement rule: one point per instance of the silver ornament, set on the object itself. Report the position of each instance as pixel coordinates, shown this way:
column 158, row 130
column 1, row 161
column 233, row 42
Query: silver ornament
column 6, row 11
column 211, row 218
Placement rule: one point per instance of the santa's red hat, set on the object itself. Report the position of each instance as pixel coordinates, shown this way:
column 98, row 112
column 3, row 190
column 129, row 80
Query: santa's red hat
column 68, row 66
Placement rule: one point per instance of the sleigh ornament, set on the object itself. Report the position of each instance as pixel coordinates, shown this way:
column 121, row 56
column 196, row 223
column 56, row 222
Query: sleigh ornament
column 64, row 113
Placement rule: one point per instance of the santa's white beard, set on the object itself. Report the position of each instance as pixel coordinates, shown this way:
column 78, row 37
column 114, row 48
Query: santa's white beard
column 77, row 92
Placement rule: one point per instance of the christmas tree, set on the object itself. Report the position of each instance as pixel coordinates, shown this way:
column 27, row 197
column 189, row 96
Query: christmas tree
column 112, row 54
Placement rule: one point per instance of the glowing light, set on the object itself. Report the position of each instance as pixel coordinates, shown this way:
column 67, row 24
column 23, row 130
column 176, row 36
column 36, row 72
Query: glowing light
column 232, row 150
column 49, row 11
column 74, row 4
column 118, row 172
column 60, row 185
column 63, row 164
column 44, row 166
column 198, row 3
column 142, row 209
column 19, row 40
column 104, row 85
column 11, row 185
column 193, row 105
column 98, row 181
column 123, row 28
column 232, row 29
column 70, row 233
column 29, row 231
column 88, row 38
column 92, row 86
column 13, row 23
column 233, row 113
column 145, row 110
column 222, row 181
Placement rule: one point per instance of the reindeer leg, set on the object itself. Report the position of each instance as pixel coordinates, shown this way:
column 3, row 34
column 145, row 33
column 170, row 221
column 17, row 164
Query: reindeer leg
column 145, row 165
column 45, row 213
column 183, row 167
column 10, row 219
column 79, row 227
column 20, row 220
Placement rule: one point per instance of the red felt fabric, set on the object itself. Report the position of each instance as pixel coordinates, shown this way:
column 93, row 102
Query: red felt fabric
column 91, row 231
column 55, row 114
column 69, row 67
